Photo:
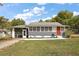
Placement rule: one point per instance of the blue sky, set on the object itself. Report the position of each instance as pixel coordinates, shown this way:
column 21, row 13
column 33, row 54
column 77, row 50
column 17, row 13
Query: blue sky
column 32, row 12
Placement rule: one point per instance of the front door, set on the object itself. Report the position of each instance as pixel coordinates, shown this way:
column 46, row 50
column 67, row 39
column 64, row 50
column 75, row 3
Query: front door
column 24, row 33
column 58, row 31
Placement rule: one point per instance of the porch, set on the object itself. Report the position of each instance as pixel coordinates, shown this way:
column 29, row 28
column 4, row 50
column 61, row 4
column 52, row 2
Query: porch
column 19, row 32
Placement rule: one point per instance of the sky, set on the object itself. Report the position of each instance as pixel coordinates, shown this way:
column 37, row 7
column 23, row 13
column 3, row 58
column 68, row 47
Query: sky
column 33, row 12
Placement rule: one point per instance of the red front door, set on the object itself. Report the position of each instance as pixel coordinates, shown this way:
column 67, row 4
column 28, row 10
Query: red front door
column 58, row 31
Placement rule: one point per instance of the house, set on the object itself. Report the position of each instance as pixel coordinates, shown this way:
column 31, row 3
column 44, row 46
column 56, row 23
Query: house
column 38, row 29
column 2, row 33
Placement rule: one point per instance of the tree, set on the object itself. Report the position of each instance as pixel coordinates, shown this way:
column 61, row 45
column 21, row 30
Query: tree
column 47, row 21
column 63, row 17
column 66, row 18
column 3, row 21
column 18, row 21
column 74, row 23
column 56, row 19
column 65, row 14
column 40, row 20
column 8, row 25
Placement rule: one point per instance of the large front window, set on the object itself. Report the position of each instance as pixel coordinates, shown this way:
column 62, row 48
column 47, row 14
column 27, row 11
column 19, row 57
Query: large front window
column 46, row 29
column 62, row 28
column 30, row 28
column 34, row 28
column 40, row 29
column 50, row 28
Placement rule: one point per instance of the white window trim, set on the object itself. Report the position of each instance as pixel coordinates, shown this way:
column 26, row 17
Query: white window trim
column 40, row 30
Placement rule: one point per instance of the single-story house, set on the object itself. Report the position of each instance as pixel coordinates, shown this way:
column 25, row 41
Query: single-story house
column 38, row 29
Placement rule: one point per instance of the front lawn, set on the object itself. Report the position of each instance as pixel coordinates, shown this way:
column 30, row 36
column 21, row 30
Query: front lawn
column 43, row 48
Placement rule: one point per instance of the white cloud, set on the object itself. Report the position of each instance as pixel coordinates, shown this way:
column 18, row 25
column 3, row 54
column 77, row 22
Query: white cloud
column 29, row 14
column 24, row 15
column 54, row 15
column 28, row 21
column 41, row 3
column 38, row 11
column 46, row 18
column 75, row 13
column 20, row 16
column 25, row 10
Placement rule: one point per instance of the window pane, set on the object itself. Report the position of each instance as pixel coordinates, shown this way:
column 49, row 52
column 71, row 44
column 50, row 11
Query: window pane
column 30, row 29
column 34, row 28
column 62, row 28
column 46, row 28
column 50, row 28
column 42, row 28
column 38, row 28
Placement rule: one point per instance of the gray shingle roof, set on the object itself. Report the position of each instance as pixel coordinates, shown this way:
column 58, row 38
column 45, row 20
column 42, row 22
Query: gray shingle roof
column 20, row 26
column 45, row 24
column 39, row 24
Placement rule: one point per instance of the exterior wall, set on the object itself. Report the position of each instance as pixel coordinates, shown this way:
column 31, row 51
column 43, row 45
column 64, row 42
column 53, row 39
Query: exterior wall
column 40, row 34
column 18, row 32
column 13, row 33
column 44, row 33
column 53, row 29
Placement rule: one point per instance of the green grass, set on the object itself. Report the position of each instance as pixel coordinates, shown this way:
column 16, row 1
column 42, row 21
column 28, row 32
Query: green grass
column 43, row 48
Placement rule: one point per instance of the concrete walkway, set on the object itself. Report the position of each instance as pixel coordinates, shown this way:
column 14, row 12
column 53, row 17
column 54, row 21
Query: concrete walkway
column 4, row 44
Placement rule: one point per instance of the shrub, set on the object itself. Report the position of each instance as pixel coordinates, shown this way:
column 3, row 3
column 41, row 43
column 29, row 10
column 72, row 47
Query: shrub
column 74, row 36
column 67, row 33
column 5, row 38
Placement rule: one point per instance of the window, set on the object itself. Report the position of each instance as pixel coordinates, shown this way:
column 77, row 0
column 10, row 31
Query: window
column 42, row 28
column 50, row 28
column 46, row 29
column 34, row 28
column 62, row 28
column 38, row 28
column 30, row 28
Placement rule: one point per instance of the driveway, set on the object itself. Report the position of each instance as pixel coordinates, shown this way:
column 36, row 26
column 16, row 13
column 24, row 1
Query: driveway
column 4, row 44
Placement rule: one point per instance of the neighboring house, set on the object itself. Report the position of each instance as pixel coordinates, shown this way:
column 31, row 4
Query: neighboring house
column 38, row 29
column 2, row 33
